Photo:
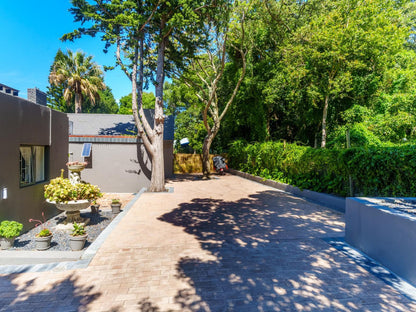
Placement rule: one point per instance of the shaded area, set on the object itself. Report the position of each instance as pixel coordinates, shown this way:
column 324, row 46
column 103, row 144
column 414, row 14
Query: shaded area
column 64, row 295
column 270, row 256
column 120, row 128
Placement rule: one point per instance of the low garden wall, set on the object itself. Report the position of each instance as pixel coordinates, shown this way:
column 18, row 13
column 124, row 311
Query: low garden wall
column 385, row 234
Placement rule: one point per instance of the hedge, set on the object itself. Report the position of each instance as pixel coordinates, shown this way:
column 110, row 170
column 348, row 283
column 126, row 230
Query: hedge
column 375, row 171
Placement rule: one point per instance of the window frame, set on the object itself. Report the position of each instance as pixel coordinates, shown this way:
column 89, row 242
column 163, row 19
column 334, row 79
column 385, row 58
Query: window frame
column 32, row 166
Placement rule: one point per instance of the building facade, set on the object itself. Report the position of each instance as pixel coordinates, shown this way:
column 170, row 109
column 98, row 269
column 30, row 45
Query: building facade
column 117, row 159
column 34, row 149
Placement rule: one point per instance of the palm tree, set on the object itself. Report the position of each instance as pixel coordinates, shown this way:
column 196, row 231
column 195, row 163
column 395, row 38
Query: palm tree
column 80, row 76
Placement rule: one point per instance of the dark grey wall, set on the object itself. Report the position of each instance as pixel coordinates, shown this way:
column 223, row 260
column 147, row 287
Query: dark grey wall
column 120, row 167
column 386, row 235
column 23, row 122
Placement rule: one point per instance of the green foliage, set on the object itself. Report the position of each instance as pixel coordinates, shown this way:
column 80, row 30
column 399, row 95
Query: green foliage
column 9, row 229
column 115, row 201
column 148, row 99
column 60, row 190
column 375, row 171
column 360, row 136
column 78, row 230
column 359, row 54
column 76, row 77
column 44, row 233
column 394, row 127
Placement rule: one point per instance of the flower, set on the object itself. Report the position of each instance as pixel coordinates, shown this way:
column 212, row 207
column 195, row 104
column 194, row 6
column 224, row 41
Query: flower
column 45, row 231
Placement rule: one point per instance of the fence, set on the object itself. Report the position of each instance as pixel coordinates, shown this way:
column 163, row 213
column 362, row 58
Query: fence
column 190, row 163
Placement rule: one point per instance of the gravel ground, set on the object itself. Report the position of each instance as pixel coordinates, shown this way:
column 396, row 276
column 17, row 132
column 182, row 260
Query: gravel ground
column 60, row 240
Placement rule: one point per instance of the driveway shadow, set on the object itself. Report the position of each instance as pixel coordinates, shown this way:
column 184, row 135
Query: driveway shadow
column 270, row 256
column 65, row 295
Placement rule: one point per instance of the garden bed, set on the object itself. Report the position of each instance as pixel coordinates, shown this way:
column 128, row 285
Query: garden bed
column 60, row 240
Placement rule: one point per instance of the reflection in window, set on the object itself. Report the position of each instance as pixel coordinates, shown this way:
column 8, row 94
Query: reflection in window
column 32, row 164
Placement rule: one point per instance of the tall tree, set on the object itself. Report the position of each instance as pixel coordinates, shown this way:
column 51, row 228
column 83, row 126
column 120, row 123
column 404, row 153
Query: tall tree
column 146, row 34
column 79, row 75
column 205, row 72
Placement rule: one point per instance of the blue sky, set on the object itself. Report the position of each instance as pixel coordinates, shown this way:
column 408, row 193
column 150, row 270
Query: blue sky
column 30, row 40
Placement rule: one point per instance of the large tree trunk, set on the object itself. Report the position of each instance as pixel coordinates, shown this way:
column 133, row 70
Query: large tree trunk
column 206, row 164
column 324, row 117
column 78, row 102
column 157, row 183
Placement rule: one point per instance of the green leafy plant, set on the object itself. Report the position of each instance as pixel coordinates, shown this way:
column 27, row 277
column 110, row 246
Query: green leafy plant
column 60, row 190
column 9, row 229
column 115, row 201
column 44, row 232
column 78, row 230
column 374, row 170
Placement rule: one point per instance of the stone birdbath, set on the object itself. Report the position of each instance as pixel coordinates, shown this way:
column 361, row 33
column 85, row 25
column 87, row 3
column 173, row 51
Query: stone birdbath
column 72, row 208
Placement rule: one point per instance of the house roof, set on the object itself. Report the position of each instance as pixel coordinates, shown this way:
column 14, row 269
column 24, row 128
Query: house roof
column 113, row 125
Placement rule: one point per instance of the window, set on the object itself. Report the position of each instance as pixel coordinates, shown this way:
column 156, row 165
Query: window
column 32, row 164
column 71, row 127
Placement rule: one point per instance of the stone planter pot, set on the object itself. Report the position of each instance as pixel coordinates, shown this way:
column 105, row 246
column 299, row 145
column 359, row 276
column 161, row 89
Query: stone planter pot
column 77, row 242
column 115, row 208
column 6, row 243
column 43, row 243
column 76, row 168
column 72, row 209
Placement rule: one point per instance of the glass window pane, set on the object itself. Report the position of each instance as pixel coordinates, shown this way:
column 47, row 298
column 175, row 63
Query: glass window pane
column 25, row 165
column 39, row 163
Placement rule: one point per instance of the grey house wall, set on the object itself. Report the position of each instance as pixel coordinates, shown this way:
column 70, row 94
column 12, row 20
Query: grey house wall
column 120, row 167
column 26, row 123
column 118, row 163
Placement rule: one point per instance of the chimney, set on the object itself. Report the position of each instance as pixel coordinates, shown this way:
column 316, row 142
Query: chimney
column 36, row 96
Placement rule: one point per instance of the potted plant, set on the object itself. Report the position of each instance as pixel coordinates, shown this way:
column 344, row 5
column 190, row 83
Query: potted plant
column 94, row 206
column 44, row 237
column 115, row 205
column 71, row 197
column 9, row 230
column 78, row 237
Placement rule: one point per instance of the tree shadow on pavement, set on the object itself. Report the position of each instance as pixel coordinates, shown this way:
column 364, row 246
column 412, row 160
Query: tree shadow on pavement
column 270, row 256
column 64, row 295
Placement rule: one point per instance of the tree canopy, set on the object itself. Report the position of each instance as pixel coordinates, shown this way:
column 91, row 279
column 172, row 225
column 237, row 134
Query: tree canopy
column 78, row 76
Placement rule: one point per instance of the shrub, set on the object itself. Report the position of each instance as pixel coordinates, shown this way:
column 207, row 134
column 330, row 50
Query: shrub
column 9, row 229
column 60, row 190
column 375, row 171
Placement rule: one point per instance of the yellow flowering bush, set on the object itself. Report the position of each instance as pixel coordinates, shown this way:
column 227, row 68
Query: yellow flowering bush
column 60, row 190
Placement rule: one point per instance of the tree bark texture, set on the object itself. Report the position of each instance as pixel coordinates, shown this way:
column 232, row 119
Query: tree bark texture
column 324, row 117
column 78, row 102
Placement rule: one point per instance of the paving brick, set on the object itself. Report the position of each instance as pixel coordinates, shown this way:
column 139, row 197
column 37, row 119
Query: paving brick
column 225, row 244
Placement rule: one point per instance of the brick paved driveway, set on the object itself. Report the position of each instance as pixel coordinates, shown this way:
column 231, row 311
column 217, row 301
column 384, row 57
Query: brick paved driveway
column 226, row 244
